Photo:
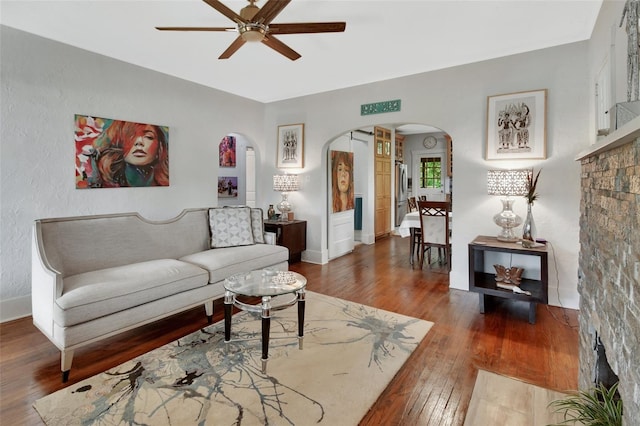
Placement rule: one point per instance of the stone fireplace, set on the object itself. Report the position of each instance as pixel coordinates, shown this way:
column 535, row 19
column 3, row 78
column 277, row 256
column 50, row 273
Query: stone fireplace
column 609, row 268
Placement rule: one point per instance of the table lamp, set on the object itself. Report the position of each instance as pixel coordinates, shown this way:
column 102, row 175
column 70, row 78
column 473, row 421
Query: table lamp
column 285, row 184
column 507, row 183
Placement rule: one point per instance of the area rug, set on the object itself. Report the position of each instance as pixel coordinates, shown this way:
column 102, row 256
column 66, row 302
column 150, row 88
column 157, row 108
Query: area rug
column 500, row 400
column 350, row 353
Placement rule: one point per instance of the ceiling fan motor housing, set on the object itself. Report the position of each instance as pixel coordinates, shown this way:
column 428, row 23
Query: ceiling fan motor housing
column 248, row 12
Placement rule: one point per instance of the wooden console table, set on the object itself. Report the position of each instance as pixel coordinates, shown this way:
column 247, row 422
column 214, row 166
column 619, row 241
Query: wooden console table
column 485, row 283
column 290, row 234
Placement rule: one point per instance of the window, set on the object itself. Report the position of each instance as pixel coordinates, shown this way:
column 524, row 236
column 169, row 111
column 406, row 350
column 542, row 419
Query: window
column 430, row 172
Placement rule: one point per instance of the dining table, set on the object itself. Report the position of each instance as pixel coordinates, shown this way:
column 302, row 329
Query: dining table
column 434, row 229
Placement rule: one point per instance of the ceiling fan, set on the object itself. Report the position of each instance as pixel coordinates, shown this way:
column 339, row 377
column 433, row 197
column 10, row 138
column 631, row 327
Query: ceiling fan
column 254, row 25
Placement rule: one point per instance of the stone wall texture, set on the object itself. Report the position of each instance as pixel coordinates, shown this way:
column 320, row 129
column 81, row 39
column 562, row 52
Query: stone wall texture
column 609, row 263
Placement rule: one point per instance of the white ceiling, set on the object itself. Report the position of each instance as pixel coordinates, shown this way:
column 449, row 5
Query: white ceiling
column 383, row 39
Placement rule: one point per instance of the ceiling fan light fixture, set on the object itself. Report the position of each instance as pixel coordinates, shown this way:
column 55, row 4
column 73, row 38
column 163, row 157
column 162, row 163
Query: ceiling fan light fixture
column 253, row 32
column 255, row 25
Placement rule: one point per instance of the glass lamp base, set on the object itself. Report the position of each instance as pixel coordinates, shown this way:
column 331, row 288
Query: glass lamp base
column 507, row 220
column 284, row 207
column 507, row 235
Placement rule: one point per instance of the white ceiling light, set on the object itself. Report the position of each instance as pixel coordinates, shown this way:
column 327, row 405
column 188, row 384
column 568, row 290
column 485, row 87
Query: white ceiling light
column 252, row 32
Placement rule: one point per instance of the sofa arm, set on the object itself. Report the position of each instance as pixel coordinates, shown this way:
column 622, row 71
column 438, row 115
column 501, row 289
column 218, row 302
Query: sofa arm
column 270, row 238
column 46, row 286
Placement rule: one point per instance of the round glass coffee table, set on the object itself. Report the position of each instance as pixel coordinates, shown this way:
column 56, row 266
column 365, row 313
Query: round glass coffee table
column 264, row 284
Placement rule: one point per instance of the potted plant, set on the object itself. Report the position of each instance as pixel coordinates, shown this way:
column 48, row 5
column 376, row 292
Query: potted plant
column 597, row 406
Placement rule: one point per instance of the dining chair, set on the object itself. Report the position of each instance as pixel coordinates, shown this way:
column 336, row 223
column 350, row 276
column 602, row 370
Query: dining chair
column 416, row 233
column 434, row 223
column 423, row 198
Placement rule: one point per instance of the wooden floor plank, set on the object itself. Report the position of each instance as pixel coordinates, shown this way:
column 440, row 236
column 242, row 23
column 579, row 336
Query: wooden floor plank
column 433, row 388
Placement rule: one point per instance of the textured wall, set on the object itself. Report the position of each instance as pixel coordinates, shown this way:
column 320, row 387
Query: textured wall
column 43, row 85
column 610, row 269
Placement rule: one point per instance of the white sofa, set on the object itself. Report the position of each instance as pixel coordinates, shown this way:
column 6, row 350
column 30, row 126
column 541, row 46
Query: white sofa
column 97, row 276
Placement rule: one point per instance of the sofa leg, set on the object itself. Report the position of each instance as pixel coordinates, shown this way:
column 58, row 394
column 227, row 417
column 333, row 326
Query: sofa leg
column 208, row 308
column 66, row 358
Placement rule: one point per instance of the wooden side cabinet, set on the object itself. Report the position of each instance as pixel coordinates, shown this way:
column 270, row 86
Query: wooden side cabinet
column 485, row 283
column 290, row 234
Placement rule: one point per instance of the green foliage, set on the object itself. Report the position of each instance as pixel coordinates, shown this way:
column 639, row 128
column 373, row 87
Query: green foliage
column 597, row 406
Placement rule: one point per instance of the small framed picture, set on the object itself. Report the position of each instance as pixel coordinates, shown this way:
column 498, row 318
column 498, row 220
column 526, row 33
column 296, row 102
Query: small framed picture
column 517, row 126
column 290, row 146
column 227, row 186
column 227, row 151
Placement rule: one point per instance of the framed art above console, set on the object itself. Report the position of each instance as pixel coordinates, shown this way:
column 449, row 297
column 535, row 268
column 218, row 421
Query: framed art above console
column 516, row 126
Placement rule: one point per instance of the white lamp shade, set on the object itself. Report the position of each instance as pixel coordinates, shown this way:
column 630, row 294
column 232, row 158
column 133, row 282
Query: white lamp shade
column 507, row 182
column 286, row 183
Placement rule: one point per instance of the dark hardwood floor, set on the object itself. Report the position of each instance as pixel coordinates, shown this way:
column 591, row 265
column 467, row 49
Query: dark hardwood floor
column 433, row 387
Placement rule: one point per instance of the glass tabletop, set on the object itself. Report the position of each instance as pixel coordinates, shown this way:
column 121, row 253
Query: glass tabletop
column 265, row 282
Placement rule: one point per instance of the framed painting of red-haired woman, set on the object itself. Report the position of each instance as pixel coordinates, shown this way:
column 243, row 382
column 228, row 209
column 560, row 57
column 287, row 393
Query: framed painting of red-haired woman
column 115, row 153
column 342, row 191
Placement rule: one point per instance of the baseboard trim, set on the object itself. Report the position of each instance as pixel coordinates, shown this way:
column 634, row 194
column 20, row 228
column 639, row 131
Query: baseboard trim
column 15, row 308
column 312, row 256
column 567, row 298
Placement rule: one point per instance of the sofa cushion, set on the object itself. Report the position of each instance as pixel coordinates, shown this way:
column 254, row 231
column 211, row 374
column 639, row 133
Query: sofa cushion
column 230, row 227
column 98, row 293
column 257, row 227
column 223, row 262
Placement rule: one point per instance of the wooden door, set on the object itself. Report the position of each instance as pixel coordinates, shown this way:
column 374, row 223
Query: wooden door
column 383, row 170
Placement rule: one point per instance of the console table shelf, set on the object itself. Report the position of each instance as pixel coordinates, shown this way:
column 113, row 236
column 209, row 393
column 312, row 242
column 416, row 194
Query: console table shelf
column 488, row 284
column 485, row 283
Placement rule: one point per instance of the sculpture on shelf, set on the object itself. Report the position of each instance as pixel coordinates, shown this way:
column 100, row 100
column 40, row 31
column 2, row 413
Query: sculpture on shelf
column 632, row 11
column 506, row 275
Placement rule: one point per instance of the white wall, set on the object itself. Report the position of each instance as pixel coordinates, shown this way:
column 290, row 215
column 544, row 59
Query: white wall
column 44, row 84
column 454, row 100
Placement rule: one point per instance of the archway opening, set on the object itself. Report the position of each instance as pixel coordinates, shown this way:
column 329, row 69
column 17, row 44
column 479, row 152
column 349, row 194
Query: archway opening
column 413, row 156
column 236, row 171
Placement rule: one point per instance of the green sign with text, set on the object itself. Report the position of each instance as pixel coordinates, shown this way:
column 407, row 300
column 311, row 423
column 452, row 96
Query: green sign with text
column 380, row 107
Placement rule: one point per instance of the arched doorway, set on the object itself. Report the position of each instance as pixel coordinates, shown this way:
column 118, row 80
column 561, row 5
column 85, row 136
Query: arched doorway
column 346, row 226
column 236, row 171
column 414, row 151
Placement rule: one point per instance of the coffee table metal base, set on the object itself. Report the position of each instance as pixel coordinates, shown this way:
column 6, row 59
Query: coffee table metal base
column 264, row 308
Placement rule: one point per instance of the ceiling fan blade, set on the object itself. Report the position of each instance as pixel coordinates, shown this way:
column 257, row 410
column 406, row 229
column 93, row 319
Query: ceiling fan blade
column 280, row 47
column 308, row 27
column 270, row 10
column 197, row 28
column 233, row 48
column 224, row 10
